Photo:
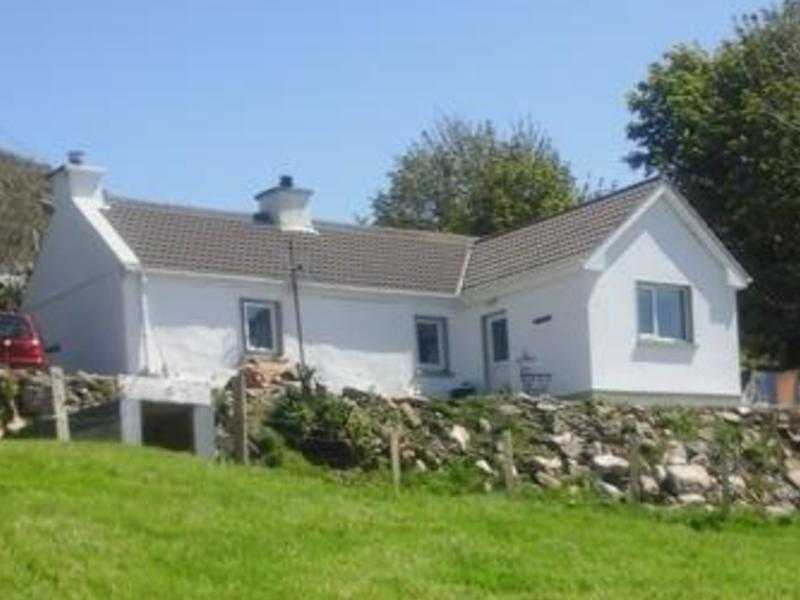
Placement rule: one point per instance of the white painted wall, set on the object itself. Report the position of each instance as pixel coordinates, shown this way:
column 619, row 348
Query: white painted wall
column 89, row 295
column 352, row 339
column 659, row 248
column 75, row 292
column 560, row 346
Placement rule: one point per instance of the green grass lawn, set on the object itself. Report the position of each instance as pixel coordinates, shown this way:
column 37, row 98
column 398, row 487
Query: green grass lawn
column 102, row 521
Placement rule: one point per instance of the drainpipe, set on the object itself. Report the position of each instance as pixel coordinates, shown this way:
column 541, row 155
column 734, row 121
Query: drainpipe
column 145, row 312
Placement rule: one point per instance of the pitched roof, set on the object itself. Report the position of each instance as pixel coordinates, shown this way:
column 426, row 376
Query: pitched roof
column 209, row 241
column 573, row 233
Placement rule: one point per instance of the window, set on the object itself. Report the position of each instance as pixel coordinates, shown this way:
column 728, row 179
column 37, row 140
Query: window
column 499, row 329
column 12, row 326
column 432, row 348
column 261, row 326
column 664, row 311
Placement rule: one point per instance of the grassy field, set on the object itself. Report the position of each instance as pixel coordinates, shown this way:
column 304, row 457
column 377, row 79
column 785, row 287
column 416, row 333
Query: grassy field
column 98, row 521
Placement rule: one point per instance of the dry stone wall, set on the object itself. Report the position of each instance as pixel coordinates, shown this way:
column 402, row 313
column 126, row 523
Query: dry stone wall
column 673, row 456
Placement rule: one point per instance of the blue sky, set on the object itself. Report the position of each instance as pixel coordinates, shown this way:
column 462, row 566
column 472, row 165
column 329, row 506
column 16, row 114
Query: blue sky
column 208, row 102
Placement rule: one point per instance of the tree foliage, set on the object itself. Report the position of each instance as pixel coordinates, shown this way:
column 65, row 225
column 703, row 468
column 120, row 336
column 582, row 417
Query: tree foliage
column 465, row 177
column 23, row 187
column 725, row 126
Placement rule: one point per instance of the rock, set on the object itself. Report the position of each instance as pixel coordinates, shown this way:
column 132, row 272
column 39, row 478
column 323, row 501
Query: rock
column 595, row 448
column 700, row 459
column 460, row 436
column 420, row 466
column 730, row 417
column 544, row 406
column 675, row 454
column 547, row 481
column 410, row 415
column 609, row 490
column 544, row 463
column 688, row 479
column 484, row 467
column 568, row 444
column 610, row 465
column 649, row 486
column 696, row 447
column 691, row 499
column 484, row 425
column 660, row 472
column 509, row 410
column 785, row 494
column 780, row 511
column 744, row 411
column 737, row 484
column 792, row 472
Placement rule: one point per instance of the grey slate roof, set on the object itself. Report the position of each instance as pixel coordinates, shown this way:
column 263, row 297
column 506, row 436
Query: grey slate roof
column 208, row 241
column 573, row 233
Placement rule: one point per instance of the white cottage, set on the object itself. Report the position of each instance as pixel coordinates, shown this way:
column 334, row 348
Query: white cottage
column 627, row 296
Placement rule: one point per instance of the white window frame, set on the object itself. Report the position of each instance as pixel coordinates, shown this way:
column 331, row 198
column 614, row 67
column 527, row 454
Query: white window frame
column 443, row 366
column 275, row 323
column 688, row 323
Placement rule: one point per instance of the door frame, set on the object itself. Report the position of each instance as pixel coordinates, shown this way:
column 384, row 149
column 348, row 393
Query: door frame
column 487, row 345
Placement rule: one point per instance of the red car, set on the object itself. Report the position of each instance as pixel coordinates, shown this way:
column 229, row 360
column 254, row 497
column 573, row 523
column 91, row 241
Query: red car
column 20, row 344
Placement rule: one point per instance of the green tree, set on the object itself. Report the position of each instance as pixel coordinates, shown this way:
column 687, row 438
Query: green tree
column 465, row 177
column 23, row 188
column 725, row 126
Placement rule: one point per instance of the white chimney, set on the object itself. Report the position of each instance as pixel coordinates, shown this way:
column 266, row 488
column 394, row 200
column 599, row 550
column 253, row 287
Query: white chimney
column 77, row 182
column 286, row 207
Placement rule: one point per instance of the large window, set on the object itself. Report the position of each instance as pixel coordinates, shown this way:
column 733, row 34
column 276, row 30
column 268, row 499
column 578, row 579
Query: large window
column 664, row 311
column 261, row 326
column 432, row 347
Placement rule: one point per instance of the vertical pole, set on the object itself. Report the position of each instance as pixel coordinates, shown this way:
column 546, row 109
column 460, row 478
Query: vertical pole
column 635, row 490
column 394, row 451
column 240, row 420
column 59, row 396
column 508, row 461
column 293, row 269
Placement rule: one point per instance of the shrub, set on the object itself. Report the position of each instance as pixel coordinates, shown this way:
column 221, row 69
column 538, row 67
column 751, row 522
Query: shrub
column 270, row 447
column 326, row 428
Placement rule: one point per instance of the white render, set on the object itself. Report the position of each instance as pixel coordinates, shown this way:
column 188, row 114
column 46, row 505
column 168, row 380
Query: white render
column 576, row 319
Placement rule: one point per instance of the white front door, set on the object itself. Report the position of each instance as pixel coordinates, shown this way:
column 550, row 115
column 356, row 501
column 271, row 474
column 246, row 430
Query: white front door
column 496, row 352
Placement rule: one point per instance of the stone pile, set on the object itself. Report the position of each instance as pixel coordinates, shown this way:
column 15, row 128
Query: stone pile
column 27, row 395
column 674, row 456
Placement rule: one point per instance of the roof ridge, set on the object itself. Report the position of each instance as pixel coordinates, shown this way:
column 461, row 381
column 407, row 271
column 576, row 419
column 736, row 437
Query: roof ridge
column 243, row 216
column 607, row 197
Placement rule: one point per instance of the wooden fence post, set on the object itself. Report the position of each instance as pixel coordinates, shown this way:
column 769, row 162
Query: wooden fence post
column 394, row 452
column 509, row 476
column 59, row 396
column 634, row 454
column 241, row 448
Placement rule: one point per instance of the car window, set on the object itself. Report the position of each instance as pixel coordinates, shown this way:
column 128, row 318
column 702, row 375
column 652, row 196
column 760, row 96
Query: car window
column 12, row 326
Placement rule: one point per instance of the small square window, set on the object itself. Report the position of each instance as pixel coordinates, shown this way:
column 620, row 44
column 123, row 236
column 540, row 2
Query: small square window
column 664, row 311
column 260, row 326
column 432, row 350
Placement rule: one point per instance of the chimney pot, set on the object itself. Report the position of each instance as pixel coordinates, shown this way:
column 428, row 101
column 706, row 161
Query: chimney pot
column 286, row 207
column 75, row 157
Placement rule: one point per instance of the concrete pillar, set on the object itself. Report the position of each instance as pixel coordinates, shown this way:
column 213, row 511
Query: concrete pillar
column 204, row 430
column 130, row 417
